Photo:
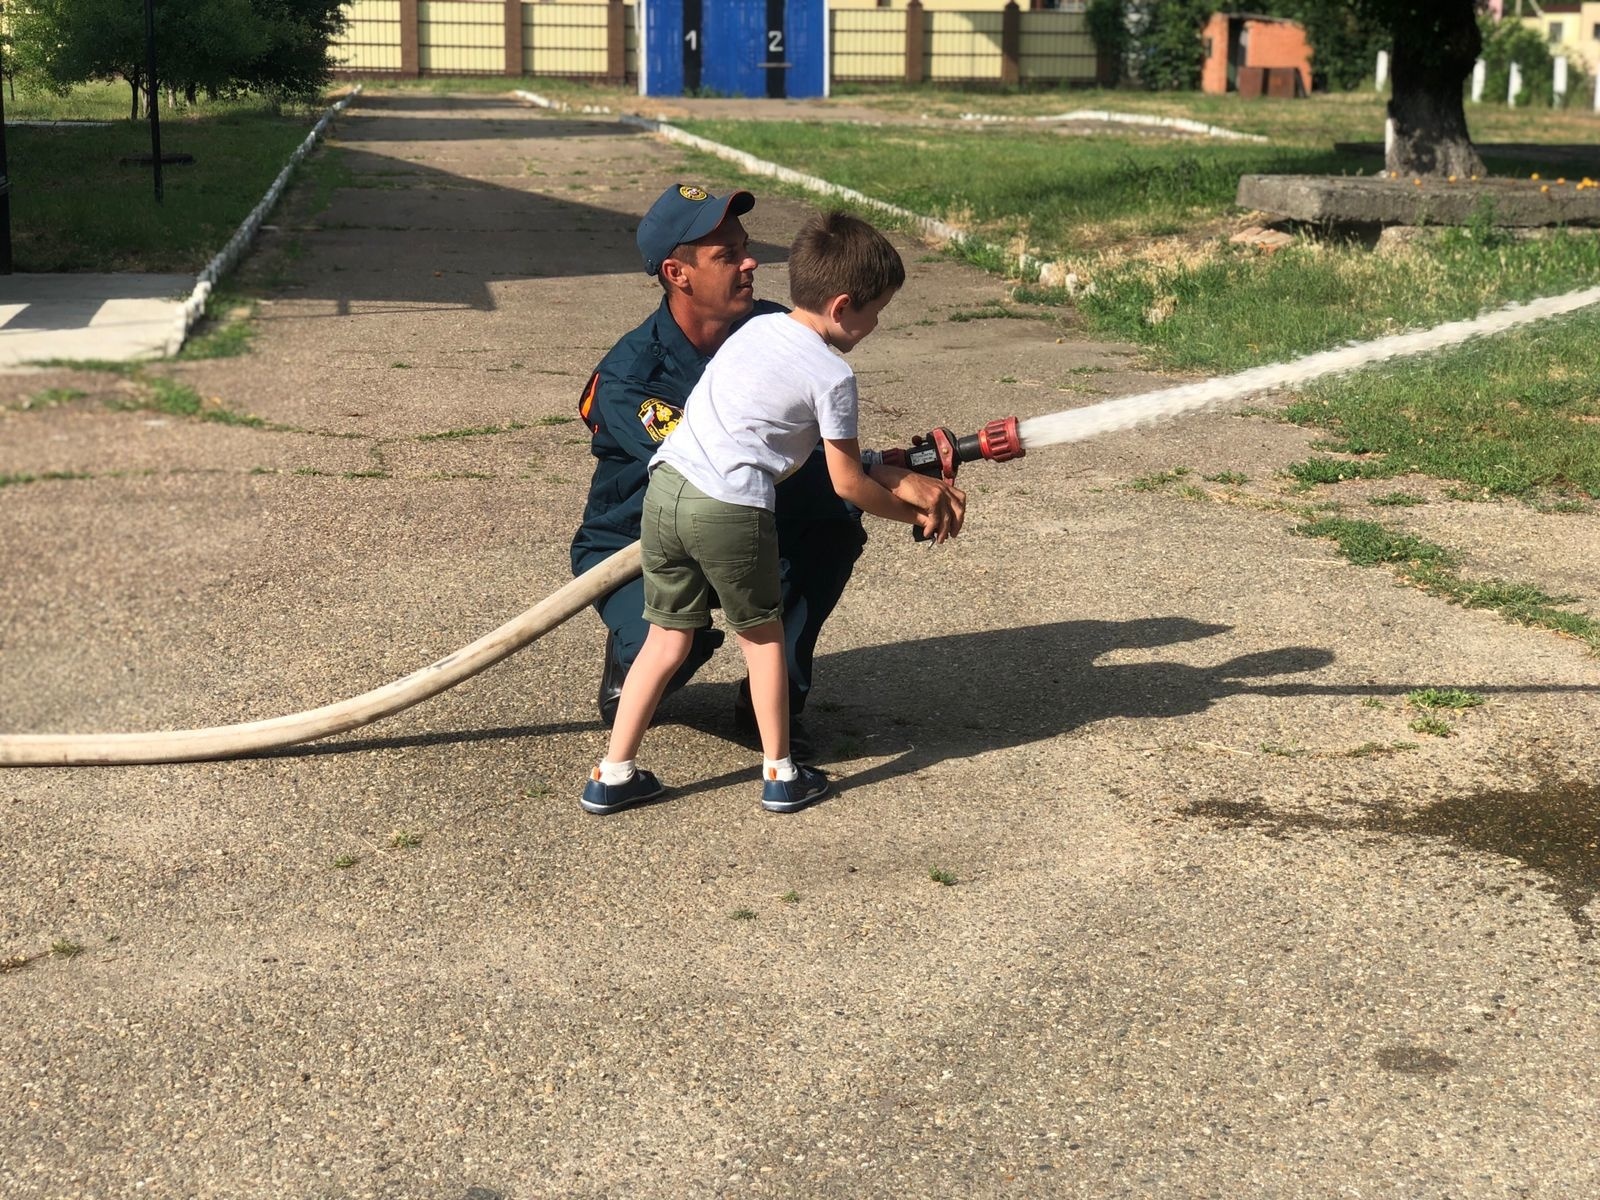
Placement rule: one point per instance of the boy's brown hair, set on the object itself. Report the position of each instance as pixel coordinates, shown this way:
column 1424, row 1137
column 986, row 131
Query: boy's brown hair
column 835, row 254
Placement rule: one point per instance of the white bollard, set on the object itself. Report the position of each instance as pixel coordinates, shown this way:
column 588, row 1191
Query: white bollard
column 1480, row 72
column 1558, row 90
column 1383, row 69
column 1514, row 87
column 1388, row 138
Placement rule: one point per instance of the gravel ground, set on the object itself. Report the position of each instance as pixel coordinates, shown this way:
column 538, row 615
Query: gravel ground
column 1215, row 921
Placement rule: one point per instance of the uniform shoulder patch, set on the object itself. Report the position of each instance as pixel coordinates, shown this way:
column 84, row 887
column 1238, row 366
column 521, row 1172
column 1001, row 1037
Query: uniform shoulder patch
column 586, row 401
column 659, row 418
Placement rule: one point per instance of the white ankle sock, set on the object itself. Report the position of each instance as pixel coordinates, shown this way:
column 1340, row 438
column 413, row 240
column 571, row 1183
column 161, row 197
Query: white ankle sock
column 779, row 768
column 614, row 772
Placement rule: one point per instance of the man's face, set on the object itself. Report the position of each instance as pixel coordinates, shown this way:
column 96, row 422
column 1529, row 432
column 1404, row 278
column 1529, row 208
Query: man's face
column 720, row 281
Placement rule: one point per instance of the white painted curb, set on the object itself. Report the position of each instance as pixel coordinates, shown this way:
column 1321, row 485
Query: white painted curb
column 1027, row 264
column 558, row 105
column 223, row 261
column 1095, row 114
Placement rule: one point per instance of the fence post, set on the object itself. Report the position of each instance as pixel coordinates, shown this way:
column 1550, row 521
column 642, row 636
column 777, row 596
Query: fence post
column 410, row 58
column 915, row 35
column 513, row 37
column 1011, row 45
column 616, row 42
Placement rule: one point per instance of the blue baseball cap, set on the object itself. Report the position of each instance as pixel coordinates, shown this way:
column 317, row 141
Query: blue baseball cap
column 685, row 213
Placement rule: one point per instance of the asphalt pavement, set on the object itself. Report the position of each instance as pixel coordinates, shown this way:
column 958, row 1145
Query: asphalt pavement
column 1136, row 881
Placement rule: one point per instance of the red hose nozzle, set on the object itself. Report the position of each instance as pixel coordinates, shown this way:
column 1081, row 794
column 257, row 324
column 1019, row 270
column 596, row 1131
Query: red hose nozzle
column 998, row 440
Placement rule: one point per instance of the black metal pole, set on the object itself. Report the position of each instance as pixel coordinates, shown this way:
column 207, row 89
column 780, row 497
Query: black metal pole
column 150, row 96
column 5, row 181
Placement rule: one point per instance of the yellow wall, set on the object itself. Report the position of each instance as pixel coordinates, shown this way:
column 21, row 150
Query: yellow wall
column 1578, row 41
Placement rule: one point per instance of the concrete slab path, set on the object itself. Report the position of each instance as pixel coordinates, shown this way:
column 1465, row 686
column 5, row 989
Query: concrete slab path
column 1137, row 882
column 111, row 318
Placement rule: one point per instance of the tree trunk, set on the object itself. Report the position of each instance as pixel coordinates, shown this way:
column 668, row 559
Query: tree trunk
column 135, row 84
column 1435, row 45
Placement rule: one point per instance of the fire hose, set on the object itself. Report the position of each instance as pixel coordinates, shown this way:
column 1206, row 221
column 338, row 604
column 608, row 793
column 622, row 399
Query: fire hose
column 938, row 452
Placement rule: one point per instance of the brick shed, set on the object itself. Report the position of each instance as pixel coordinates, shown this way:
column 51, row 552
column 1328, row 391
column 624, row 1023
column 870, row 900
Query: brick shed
column 1237, row 43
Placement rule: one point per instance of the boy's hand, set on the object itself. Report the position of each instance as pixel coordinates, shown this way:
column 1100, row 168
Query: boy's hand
column 942, row 506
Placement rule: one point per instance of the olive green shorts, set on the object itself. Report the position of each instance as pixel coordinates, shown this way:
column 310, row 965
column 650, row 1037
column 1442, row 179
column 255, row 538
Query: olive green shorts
column 698, row 552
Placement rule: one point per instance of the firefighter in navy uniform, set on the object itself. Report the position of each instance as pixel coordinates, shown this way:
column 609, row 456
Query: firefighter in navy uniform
column 695, row 244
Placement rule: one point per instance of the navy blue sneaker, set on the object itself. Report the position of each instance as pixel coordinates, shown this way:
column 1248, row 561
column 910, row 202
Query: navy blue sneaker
column 602, row 798
column 791, row 795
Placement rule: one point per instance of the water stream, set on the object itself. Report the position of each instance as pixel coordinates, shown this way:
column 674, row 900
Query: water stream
column 1125, row 412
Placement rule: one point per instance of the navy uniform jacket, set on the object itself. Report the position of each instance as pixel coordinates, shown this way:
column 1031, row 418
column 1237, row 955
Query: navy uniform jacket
column 632, row 401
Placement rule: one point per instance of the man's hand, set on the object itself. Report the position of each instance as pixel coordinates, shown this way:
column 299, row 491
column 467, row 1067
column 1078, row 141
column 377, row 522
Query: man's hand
column 943, row 506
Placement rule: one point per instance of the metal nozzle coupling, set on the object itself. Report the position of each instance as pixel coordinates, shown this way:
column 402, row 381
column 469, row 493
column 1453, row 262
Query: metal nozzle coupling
column 997, row 441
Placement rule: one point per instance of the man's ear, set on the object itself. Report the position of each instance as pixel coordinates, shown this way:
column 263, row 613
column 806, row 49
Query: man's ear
column 674, row 272
column 836, row 307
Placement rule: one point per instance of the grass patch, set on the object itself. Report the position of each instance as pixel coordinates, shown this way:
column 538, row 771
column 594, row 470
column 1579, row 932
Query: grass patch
column 1514, row 415
column 742, row 914
column 76, row 207
column 13, row 480
column 50, row 397
column 470, row 432
column 1157, row 480
column 1016, row 186
column 1431, row 567
column 1455, row 698
column 1396, row 500
column 1433, row 726
column 1379, row 750
column 65, row 948
column 1321, row 469
column 942, row 877
column 224, row 330
column 1367, row 543
column 1231, row 478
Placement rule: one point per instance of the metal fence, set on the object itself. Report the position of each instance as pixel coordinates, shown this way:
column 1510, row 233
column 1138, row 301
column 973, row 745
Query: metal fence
column 371, row 40
column 598, row 39
column 868, row 44
column 461, row 37
column 963, row 47
column 1055, row 47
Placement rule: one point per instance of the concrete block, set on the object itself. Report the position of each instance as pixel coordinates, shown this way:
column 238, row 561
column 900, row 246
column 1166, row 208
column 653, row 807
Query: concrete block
column 1379, row 200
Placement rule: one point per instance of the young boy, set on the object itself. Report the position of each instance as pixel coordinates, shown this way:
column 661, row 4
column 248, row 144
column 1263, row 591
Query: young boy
column 756, row 414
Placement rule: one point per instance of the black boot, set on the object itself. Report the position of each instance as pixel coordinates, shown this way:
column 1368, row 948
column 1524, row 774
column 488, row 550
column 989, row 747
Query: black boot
column 611, row 677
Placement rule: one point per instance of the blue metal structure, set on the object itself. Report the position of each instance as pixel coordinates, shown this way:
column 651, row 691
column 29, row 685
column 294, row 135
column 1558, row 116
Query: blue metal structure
column 773, row 48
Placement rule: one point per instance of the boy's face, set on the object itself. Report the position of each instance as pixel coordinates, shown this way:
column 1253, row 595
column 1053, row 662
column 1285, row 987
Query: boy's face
column 851, row 325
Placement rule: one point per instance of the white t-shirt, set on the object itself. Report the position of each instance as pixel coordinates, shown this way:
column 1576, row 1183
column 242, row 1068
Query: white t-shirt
column 769, row 393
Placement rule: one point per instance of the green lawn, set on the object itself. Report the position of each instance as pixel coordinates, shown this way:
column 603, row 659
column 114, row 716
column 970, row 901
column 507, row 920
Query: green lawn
column 76, row 206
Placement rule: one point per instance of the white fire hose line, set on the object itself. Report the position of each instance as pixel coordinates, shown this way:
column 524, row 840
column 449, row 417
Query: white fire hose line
column 222, row 262
column 1035, row 433
column 231, row 741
